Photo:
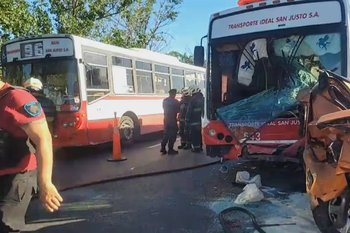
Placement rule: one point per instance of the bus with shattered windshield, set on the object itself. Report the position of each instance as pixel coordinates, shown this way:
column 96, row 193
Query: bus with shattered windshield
column 259, row 55
column 89, row 81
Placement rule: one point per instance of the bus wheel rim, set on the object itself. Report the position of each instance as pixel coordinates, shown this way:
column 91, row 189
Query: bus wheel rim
column 128, row 131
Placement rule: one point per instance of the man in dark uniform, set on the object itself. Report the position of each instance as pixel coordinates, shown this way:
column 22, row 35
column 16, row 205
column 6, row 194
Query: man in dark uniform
column 24, row 140
column 183, row 131
column 171, row 108
column 194, row 119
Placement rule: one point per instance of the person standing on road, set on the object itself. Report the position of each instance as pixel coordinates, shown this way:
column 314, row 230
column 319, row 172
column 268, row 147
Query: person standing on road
column 171, row 108
column 183, row 131
column 24, row 140
column 194, row 118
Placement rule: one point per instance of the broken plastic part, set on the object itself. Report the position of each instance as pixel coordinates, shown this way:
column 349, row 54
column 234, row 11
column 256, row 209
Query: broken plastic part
column 251, row 193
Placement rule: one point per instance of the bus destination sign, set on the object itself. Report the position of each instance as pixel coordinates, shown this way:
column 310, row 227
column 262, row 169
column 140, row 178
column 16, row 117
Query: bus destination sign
column 37, row 48
column 279, row 17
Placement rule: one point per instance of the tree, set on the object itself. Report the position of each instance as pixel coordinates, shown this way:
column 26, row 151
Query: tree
column 19, row 18
column 127, row 23
column 79, row 17
column 41, row 18
column 83, row 17
column 143, row 24
column 183, row 57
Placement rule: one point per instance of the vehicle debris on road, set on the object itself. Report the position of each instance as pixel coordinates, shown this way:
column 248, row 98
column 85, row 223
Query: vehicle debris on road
column 251, row 193
column 243, row 177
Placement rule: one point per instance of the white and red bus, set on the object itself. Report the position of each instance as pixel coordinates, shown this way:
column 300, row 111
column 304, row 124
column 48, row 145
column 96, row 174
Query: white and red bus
column 259, row 55
column 89, row 81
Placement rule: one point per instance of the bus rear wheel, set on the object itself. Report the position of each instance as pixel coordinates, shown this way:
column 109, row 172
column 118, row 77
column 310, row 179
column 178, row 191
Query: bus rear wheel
column 127, row 130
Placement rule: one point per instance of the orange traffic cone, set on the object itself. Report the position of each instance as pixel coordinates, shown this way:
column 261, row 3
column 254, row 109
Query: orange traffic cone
column 117, row 152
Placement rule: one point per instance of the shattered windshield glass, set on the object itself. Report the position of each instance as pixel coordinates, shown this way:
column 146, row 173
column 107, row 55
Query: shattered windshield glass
column 272, row 71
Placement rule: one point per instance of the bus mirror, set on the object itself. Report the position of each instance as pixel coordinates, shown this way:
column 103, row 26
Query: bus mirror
column 87, row 65
column 199, row 56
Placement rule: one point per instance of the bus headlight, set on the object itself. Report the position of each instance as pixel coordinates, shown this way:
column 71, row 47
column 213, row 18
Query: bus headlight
column 212, row 132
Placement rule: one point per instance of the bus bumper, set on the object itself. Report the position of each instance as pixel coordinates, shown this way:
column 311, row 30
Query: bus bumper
column 276, row 143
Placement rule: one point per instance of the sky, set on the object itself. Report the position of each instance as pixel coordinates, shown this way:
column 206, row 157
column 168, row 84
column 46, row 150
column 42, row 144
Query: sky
column 193, row 22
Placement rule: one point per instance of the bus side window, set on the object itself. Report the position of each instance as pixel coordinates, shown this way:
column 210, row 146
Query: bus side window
column 190, row 78
column 97, row 83
column 97, row 78
column 201, row 81
column 177, row 79
column 122, row 70
column 162, row 78
column 88, row 78
column 144, row 77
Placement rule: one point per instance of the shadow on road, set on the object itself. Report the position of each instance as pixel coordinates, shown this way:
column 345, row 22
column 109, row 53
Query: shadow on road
column 69, row 219
column 75, row 153
column 169, row 203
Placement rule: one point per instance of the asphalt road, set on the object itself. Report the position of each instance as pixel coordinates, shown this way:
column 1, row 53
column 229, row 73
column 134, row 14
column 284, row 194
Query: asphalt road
column 171, row 203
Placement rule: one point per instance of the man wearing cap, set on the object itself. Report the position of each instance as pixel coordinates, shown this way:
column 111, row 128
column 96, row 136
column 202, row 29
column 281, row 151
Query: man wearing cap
column 24, row 140
column 171, row 108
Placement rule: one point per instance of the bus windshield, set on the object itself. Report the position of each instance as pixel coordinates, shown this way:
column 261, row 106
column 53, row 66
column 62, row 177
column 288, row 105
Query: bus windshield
column 263, row 76
column 59, row 78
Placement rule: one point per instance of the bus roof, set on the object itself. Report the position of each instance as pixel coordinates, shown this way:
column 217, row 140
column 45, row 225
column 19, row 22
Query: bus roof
column 142, row 54
column 262, row 16
column 252, row 5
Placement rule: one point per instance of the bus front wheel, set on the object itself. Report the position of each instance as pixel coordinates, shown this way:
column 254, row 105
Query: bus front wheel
column 127, row 130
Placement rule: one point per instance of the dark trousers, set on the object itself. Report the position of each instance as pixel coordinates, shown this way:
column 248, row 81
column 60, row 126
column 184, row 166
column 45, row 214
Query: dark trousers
column 16, row 191
column 169, row 136
column 196, row 136
column 184, row 134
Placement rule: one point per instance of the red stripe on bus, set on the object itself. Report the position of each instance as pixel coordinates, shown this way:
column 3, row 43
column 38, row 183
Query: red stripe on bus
column 135, row 97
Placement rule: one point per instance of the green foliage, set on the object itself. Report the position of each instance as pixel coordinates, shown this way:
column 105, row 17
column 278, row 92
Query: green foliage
column 143, row 24
column 126, row 23
column 20, row 18
column 183, row 57
column 80, row 17
column 15, row 18
column 41, row 18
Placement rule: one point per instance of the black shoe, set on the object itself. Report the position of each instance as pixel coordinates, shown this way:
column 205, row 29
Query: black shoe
column 163, row 152
column 182, row 146
column 187, row 147
column 173, row 152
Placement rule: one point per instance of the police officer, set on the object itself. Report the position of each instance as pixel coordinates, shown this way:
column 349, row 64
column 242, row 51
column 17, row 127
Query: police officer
column 25, row 142
column 194, row 117
column 183, row 131
column 171, row 108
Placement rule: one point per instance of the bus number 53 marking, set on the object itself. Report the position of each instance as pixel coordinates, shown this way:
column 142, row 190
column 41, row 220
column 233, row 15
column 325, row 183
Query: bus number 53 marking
column 255, row 137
